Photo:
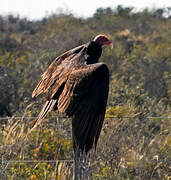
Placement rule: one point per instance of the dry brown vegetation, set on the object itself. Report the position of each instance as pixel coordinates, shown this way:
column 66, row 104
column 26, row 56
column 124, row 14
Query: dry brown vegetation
column 129, row 148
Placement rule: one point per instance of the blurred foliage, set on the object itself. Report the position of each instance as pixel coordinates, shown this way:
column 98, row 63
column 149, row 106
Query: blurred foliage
column 140, row 87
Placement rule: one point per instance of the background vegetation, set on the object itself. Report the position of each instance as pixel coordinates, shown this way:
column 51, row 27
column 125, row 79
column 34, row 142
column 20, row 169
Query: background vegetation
column 137, row 147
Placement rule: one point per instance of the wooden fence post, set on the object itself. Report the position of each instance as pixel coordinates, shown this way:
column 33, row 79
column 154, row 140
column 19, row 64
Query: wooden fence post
column 82, row 167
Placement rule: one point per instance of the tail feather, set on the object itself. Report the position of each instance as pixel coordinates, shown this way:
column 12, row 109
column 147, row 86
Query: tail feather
column 48, row 106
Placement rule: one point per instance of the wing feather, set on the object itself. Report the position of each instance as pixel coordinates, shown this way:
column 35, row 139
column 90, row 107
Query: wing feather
column 55, row 70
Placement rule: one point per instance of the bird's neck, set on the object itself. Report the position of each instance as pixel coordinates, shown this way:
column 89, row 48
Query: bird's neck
column 93, row 52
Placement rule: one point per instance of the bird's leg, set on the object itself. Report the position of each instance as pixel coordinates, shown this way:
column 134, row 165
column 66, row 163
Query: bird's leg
column 82, row 166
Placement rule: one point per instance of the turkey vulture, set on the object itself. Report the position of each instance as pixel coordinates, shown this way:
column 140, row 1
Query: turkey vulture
column 77, row 86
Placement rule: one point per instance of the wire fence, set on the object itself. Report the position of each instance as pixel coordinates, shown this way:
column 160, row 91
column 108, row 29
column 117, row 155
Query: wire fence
column 112, row 117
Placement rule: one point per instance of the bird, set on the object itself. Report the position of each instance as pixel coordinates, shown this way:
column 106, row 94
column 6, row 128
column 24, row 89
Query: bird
column 77, row 85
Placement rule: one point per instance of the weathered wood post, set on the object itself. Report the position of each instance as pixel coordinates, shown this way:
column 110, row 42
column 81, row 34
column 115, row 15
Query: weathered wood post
column 82, row 167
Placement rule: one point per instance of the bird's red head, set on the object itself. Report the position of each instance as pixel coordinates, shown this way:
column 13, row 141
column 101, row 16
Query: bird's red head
column 103, row 40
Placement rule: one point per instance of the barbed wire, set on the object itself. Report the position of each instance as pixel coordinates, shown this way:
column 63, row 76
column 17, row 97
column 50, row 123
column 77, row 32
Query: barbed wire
column 36, row 161
column 112, row 117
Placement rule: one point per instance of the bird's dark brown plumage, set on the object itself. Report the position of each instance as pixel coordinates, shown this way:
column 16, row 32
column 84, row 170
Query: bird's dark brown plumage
column 77, row 85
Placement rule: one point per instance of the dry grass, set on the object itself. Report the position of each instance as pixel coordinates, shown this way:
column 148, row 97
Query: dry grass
column 129, row 148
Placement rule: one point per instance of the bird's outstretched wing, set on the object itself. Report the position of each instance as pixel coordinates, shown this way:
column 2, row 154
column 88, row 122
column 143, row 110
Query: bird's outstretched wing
column 55, row 70
column 54, row 78
column 84, row 97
